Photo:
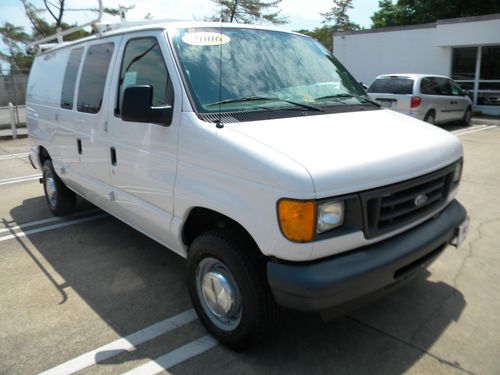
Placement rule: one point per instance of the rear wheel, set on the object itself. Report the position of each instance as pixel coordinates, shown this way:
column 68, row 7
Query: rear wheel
column 60, row 199
column 228, row 288
column 430, row 117
column 467, row 117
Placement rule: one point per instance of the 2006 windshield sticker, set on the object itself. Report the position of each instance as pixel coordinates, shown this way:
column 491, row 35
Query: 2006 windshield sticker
column 205, row 39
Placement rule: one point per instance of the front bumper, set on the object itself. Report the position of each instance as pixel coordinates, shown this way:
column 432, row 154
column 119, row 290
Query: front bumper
column 349, row 279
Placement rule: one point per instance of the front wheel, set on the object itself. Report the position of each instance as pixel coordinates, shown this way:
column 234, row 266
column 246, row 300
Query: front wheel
column 229, row 291
column 60, row 199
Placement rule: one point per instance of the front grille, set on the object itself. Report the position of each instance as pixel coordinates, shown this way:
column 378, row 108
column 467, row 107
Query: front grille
column 392, row 207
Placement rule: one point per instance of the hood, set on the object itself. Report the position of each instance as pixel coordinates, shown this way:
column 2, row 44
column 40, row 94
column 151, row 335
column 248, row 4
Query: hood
column 355, row 151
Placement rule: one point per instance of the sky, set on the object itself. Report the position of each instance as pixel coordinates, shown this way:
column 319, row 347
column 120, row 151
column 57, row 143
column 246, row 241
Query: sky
column 302, row 14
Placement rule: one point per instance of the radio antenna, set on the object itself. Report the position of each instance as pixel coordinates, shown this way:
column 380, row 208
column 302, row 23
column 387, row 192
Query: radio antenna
column 219, row 123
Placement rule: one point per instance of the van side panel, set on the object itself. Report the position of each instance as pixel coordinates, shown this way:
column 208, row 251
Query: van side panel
column 42, row 105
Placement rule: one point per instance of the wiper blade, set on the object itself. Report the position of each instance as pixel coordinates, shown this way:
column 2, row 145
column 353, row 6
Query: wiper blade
column 360, row 98
column 268, row 98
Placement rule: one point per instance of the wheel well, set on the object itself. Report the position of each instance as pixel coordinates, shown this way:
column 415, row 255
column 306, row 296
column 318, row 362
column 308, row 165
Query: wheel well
column 201, row 220
column 43, row 155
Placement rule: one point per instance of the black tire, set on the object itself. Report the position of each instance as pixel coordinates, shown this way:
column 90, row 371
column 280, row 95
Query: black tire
column 430, row 117
column 466, row 119
column 246, row 267
column 60, row 199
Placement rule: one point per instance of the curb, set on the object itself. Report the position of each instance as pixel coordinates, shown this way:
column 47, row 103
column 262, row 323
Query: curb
column 485, row 121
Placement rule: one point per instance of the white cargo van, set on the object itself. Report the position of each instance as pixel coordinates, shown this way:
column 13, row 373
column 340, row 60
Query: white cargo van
column 252, row 153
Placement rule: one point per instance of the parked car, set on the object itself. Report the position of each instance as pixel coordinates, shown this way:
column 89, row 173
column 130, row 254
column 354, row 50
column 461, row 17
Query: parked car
column 280, row 181
column 434, row 99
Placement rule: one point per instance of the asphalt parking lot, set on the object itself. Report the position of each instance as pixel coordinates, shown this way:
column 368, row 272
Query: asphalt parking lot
column 88, row 293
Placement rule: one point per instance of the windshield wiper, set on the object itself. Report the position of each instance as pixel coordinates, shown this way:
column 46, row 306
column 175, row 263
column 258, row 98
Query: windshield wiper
column 359, row 97
column 268, row 98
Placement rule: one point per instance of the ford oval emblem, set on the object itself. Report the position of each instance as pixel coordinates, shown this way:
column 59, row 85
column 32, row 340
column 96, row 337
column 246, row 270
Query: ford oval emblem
column 420, row 200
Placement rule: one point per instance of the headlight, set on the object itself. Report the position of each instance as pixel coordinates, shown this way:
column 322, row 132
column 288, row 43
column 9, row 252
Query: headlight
column 457, row 175
column 330, row 216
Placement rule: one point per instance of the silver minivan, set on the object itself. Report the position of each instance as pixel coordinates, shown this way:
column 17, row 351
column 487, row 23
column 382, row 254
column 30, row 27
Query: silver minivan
column 432, row 98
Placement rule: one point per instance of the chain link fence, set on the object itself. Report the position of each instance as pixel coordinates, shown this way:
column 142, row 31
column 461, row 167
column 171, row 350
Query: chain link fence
column 13, row 86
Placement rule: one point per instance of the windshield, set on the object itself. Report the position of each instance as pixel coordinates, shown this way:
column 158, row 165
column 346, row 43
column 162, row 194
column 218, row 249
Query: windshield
column 261, row 69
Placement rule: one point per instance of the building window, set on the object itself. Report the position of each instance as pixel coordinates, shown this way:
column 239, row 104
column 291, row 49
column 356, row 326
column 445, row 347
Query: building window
column 490, row 63
column 489, row 80
column 464, row 63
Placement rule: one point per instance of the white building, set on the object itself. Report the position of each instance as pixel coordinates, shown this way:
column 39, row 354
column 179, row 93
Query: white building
column 466, row 49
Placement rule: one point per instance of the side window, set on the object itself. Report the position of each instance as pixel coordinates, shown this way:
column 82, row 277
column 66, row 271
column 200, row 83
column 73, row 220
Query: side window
column 93, row 79
column 143, row 64
column 455, row 90
column 429, row 86
column 443, row 86
column 69, row 82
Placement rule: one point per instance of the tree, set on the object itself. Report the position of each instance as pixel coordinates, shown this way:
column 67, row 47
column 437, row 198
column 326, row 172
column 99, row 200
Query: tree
column 249, row 11
column 323, row 34
column 411, row 12
column 339, row 17
column 14, row 38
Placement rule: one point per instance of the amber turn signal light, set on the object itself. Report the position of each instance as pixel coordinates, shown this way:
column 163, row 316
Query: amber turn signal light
column 297, row 219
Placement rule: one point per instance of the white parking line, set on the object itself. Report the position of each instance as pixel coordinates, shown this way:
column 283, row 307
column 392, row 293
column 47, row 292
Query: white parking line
column 123, row 344
column 45, row 221
column 51, row 227
column 175, row 357
column 15, row 180
column 474, row 129
column 14, row 156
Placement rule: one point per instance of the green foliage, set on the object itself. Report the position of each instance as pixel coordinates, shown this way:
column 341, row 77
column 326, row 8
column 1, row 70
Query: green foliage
column 14, row 38
column 337, row 16
column 323, row 34
column 249, row 11
column 411, row 12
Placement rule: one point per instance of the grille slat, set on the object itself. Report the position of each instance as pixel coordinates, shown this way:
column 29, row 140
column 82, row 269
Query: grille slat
column 394, row 206
column 403, row 197
column 401, row 212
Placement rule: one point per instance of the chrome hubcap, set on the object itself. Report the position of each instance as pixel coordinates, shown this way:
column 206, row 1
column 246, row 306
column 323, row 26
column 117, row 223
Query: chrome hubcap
column 50, row 189
column 218, row 293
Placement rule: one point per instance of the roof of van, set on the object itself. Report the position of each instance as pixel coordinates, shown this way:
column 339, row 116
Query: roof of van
column 410, row 75
column 129, row 27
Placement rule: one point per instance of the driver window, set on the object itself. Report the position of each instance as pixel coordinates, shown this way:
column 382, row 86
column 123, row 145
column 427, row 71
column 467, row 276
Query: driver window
column 143, row 64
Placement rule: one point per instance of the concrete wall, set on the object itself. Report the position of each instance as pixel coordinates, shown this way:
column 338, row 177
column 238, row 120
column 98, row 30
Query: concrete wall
column 367, row 55
column 468, row 33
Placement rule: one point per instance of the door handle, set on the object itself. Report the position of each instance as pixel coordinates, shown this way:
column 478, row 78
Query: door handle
column 112, row 153
column 79, row 146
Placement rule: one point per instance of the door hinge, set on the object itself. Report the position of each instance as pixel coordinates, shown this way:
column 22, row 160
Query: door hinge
column 112, row 196
column 105, row 126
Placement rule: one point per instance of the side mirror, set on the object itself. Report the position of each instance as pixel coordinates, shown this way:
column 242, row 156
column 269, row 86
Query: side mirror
column 137, row 106
column 363, row 85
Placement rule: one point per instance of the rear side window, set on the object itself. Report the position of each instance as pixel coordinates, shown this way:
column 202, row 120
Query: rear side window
column 70, row 74
column 391, row 85
column 143, row 64
column 93, row 79
column 429, row 86
column 437, row 86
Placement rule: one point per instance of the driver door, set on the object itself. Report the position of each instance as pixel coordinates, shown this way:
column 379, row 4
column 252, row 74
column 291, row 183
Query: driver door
column 143, row 156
